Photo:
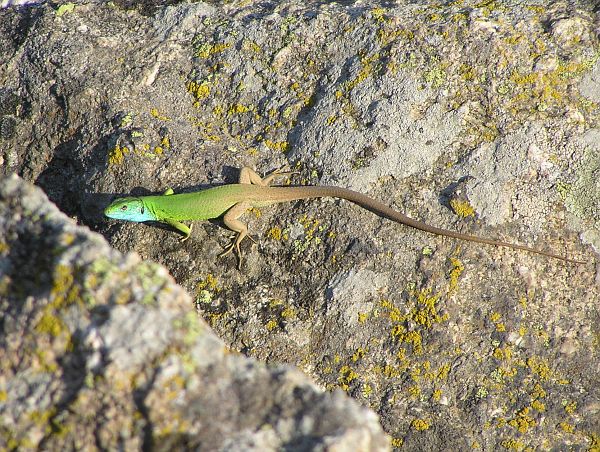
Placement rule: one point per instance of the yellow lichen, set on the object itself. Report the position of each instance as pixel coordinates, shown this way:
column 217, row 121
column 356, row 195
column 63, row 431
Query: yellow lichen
column 281, row 146
column 275, row 233
column 395, row 314
column 415, row 374
column 218, row 110
column 495, row 317
column 200, row 91
column 566, row 427
column 457, row 270
column 358, row 354
column 155, row 114
column 594, row 442
column 65, row 292
column 311, row 227
column 41, row 417
column 346, row 375
column 538, row 406
column 538, row 392
column 522, row 331
column 523, row 421
column 368, row 67
column 462, row 208
column 503, row 353
column 257, row 212
column 378, row 14
column 397, row 442
column 271, row 325
column 570, row 407
column 288, row 313
column 540, row 367
column 117, row 154
column 414, row 391
column 443, row 372
column 206, row 49
column 236, row 109
column 391, row 371
column 425, row 312
column 420, row 424
column 513, row 444
column 210, row 282
column 50, row 324
column 523, row 302
column 500, row 326
column 251, row 46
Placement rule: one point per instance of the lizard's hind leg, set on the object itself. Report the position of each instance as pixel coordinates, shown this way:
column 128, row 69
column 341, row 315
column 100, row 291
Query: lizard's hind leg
column 231, row 220
column 249, row 176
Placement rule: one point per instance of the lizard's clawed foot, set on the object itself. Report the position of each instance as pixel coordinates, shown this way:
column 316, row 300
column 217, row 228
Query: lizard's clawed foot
column 187, row 236
column 279, row 172
column 235, row 246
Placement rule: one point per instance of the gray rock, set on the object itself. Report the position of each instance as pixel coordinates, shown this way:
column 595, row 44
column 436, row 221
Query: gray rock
column 104, row 350
column 478, row 117
column 590, row 84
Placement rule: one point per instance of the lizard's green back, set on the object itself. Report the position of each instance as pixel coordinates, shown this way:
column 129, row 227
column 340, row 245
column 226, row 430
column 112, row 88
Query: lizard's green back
column 206, row 204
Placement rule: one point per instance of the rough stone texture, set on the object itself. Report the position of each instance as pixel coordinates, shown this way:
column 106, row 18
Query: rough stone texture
column 100, row 350
column 475, row 116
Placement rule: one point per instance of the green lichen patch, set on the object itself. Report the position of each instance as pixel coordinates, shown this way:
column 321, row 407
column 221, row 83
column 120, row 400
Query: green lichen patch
column 190, row 326
column 152, row 280
column 314, row 235
column 207, row 289
column 208, row 300
column 66, row 8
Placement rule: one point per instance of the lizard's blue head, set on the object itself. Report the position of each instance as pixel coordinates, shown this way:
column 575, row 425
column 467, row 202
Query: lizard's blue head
column 130, row 209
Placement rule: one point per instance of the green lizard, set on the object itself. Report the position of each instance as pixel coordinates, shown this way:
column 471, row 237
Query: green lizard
column 232, row 200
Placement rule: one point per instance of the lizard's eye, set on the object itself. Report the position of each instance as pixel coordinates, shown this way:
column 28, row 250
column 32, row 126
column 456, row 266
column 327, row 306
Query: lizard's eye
column 124, row 207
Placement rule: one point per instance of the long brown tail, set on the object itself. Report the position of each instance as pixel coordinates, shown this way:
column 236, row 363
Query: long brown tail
column 305, row 192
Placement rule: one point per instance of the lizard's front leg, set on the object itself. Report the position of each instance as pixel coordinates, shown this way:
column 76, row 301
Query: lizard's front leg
column 186, row 231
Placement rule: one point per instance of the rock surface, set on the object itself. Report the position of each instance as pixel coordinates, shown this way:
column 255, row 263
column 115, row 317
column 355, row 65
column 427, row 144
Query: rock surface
column 101, row 350
column 473, row 116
